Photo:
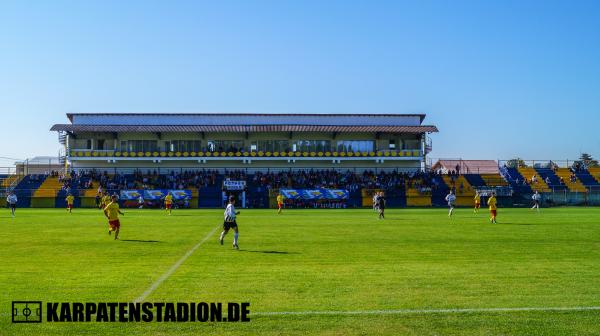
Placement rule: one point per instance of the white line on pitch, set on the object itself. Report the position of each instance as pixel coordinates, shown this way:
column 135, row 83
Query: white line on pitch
column 173, row 268
column 416, row 311
column 423, row 311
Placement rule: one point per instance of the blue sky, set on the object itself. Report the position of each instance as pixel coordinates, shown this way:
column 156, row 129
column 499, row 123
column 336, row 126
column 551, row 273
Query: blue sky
column 499, row 79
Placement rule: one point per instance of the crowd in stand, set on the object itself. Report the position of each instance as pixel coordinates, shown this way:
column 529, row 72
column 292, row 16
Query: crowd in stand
column 309, row 179
column 72, row 180
column 259, row 183
column 238, row 175
column 345, row 180
column 453, row 176
column 150, row 180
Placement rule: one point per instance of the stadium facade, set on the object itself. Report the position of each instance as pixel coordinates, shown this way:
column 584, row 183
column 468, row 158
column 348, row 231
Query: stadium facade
column 246, row 141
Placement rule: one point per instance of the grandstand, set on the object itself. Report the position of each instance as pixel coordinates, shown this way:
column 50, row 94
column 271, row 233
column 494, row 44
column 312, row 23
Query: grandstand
column 119, row 146
column 207, row 157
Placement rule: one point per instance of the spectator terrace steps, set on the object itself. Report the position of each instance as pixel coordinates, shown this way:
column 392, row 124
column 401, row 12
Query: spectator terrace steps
column 45, row 195
column 595, row 172
column 494, row 180
column 90, row 192
column 49, row 188
column 540, row 185
column 415, row 198
column 464, row 194
column 576, row 186
column 8, row 181
column 465, row 190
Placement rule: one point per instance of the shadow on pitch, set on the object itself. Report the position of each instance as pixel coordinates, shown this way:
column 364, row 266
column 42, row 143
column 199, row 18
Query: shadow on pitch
column 184, row 215
column 140, row 241
column 509, row 223
column 270, row 252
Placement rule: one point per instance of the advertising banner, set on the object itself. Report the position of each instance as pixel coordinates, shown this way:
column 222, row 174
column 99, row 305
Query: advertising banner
column 234, row 185
column 315, row 194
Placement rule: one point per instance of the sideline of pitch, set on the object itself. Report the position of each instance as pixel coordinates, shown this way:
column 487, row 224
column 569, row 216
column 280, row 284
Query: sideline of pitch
column 412, row 311
column 423, row 311
column 173, row 268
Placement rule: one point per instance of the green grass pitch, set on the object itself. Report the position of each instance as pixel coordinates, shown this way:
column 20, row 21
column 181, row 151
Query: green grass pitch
column 416, row 260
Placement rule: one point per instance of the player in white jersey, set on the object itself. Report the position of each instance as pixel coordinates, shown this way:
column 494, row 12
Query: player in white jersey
column 230, row 223
column 451, row 199
column 375, row 201
column 536, row 197
column 11, row 201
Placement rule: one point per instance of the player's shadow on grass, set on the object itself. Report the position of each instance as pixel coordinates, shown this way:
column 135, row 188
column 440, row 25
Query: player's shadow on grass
column 509, row 223
column 140, row 241
column 270, row 252
column 184, row 215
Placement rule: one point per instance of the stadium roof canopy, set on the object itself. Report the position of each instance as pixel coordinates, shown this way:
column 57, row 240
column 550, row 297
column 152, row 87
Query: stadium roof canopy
column 467, row 166
column 41, row 160
column 224, row 122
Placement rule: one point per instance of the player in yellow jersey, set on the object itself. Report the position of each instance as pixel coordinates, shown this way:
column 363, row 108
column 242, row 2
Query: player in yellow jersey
column 169, row 203
column 112, row 212
column 70, row 199
column 105, row 200
column 493, row 209
column 279, row 203
column 477, row 200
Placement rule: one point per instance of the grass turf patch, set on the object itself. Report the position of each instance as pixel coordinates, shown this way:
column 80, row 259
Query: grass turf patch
column 314, row 260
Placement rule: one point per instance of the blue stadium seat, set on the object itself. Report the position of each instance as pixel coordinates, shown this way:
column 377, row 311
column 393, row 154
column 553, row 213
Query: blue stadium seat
column 25, row 188
column 554, row 182
column 587, row 179
column 438, row 195
column 475, row 180
column 518, row 188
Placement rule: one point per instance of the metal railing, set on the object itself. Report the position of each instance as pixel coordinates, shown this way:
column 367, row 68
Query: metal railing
column 8, row 170
column 543, row 163
column 459, row 163
column 254, row 154
column 225, row 170
column 567, row 163
column 563, row 198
